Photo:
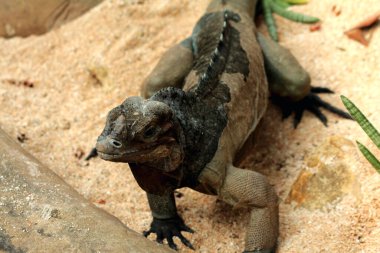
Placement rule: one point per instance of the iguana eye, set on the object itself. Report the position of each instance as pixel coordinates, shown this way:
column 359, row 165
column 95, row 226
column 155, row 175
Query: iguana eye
column 151, row 131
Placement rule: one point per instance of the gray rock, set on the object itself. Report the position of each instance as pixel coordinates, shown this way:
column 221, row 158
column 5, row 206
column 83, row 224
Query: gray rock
column 39, row 212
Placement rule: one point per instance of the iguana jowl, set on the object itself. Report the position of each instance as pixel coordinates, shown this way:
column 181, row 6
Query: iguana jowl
column 206, row 96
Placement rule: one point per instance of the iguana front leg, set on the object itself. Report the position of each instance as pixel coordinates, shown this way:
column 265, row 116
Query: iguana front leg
column 171, row 70
column 246, row 188
column 289, row 84
column 166, row 222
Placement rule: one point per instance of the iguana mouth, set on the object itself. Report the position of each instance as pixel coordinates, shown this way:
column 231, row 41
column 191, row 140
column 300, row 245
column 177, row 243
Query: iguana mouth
column 106, row 156
column 127, row 154
column 132, row 155
column 135, row 153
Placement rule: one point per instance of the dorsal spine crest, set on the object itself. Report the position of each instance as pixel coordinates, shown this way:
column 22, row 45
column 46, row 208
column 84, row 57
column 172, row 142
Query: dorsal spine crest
column 210, row 77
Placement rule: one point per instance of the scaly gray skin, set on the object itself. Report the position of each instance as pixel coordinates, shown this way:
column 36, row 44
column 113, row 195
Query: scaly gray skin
column 204, row 98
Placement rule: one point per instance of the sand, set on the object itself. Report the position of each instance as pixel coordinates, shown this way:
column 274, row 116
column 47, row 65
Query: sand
column 86, row 67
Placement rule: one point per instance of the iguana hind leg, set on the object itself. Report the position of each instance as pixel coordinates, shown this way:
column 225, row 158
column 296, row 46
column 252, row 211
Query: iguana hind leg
column 289, row 84
column 171, row 70
column 250, row 189
column 286, row 77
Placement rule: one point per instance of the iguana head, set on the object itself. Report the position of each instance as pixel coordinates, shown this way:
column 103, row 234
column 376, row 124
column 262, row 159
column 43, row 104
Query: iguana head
column 141, row 131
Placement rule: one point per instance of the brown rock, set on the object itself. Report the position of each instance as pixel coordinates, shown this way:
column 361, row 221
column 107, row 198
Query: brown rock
column 39, row 212
column 328, row 176
column 23, row 18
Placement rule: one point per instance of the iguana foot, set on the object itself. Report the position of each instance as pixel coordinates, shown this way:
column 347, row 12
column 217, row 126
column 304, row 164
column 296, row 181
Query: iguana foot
column 93, row 153
column 312, row 102
column 167, row 229
column 279, row 7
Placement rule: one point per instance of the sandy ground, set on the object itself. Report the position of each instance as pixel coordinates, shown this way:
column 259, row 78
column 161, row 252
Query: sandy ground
column 60, row 118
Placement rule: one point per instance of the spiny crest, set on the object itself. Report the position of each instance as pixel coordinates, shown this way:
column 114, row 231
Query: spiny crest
column 210, row 77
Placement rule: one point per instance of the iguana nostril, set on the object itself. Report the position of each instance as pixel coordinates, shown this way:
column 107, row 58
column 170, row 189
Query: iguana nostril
column 115, row 143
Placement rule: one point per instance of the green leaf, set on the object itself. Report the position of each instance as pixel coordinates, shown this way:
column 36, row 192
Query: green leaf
column 280, row 7
column 281, row 3
column 369, row 156
column 291, row 15
column 269, row 20
column 364, row 123
column 297, row 1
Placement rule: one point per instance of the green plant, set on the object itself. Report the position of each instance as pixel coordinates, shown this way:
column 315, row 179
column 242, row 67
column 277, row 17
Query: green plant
column 280, row 7
column 367, row 126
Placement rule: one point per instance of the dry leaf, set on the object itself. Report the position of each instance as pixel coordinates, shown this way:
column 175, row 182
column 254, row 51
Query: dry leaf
column 357, row 34
column 362, row 32
column 315, row 27
column 336, row 10
column 101, row 201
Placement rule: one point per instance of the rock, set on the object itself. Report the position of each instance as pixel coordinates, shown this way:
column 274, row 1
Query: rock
column 23, row 18
column 328, row 177
column 39, row 212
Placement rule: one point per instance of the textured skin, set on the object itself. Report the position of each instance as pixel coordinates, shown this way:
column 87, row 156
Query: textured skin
column 251, row 189
column 233, row 185
column 198, row 130
column 189, row 137
column 286, row 76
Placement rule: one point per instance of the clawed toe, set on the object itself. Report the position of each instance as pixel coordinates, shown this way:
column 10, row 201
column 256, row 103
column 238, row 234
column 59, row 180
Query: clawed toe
column 312, row 103
column 93, row 153
column 169, row 228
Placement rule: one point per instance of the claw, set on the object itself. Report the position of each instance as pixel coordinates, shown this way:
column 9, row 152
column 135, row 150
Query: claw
column 187, row 229
column 321, row 90
column 160, row 237
column 298, row 116
column 93, row 153
column 312, row 102
column 167, row 229
column 335, row 110
column 147, row 233
column 171, row 242
column 318, row 114
column 185, row 241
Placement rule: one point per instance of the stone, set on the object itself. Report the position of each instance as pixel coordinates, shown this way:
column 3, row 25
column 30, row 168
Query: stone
column 39, row 212
column 24, row 18
column 328, row 176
